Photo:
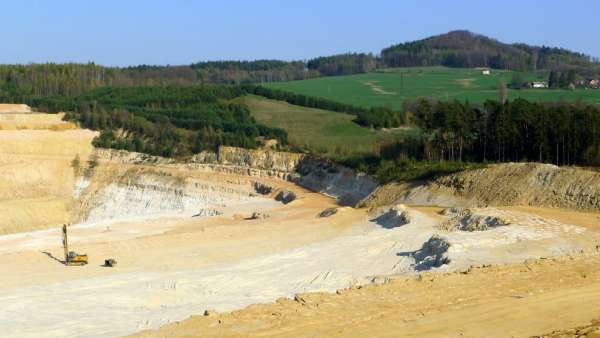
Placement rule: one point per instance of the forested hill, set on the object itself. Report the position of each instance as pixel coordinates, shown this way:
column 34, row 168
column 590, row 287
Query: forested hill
column 454, row 49
column 468, row 50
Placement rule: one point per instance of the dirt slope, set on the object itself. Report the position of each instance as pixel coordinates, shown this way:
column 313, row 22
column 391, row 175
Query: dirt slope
column 36, row 176
column 526, row 184
column 502, row 301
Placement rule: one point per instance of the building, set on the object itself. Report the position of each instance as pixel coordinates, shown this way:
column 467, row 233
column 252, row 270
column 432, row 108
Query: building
column 486, row 72
column 539, row 84
column 595, row 83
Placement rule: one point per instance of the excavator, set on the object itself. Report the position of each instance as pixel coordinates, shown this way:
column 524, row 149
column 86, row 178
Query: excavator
column 71, row 257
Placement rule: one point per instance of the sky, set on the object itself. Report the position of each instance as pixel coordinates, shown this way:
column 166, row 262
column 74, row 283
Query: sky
column 131, row 32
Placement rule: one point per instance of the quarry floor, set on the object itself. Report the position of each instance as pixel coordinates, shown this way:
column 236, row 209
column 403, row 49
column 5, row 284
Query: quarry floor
column 279, row 274
column 169, row 269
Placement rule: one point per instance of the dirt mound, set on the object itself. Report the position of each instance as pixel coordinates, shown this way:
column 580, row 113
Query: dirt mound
column 470, row 220
column 285, row 196
column 396, row 216
column 433, row 254
column 529, row 184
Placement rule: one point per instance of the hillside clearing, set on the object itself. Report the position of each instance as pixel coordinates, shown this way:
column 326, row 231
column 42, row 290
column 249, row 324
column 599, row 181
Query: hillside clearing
column 325, row 132
column 373, row 89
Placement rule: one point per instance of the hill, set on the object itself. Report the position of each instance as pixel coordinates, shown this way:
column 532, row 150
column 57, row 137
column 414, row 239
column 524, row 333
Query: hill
column 391, row 87
column 465, row 49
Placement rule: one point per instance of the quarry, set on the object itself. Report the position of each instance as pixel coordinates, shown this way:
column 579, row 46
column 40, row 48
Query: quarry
column 243, row 242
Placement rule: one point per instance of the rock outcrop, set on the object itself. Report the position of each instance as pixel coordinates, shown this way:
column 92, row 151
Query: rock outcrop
column 347, row 186
column 259, row 159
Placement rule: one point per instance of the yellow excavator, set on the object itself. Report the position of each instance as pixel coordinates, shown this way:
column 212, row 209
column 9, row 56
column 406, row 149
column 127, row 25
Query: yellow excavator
column 71, row 257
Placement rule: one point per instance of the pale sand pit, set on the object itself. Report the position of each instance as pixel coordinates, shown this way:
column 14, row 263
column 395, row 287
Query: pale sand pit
column 153, row 289
column 185, row 240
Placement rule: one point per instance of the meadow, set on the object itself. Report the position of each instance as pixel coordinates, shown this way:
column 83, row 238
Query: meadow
column 323, row 132
column 391, row 87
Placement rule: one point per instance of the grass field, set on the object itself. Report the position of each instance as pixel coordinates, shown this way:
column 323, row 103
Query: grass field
column 325, row 132
column 391, row 87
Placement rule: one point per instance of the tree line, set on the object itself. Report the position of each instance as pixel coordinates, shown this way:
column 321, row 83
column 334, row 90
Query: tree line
column 520, row 130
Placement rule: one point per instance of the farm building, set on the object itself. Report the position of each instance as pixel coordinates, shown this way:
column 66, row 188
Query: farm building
column 539, row 84
column 486, row 72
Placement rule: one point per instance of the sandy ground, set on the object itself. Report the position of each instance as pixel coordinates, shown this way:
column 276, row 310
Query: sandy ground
column 517, row 300
column 34, row 121
column 171, row 269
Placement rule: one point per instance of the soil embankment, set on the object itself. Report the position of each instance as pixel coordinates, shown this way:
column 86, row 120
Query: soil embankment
column 36, row 172
column 524, row 184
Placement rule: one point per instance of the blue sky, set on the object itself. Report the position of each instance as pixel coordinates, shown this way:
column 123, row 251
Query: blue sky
column 128, row 32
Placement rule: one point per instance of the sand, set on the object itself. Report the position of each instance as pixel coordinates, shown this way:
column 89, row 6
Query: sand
column 519, row 300
column 36, row 176
column 171, row 269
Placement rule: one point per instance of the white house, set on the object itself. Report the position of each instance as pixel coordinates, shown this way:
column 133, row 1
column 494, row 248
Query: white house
column 539, row 84
column 486, row 72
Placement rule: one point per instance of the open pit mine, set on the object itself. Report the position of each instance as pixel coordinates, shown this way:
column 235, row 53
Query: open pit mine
column 257, row 242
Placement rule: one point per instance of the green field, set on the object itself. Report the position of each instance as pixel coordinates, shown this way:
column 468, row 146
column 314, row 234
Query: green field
column 391, row 87
column 325, row 132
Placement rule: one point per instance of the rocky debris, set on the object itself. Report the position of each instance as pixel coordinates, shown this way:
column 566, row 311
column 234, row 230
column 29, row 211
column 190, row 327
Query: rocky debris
column 394, row 217
column 208, row 213
column 262, row 188
column 531, row 184
column 452, row 212
column 433, row 254
column 470, row 220
column 328, row 212
column 258, row 215
column 285, row 196
column 591, row 330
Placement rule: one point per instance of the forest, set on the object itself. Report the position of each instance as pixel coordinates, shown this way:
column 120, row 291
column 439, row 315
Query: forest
column 457, row 135
column 465, row 49
column 173, row 121
column 343, row 64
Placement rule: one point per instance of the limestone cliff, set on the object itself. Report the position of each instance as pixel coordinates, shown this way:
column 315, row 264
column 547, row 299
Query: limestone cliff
column 259, row 159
